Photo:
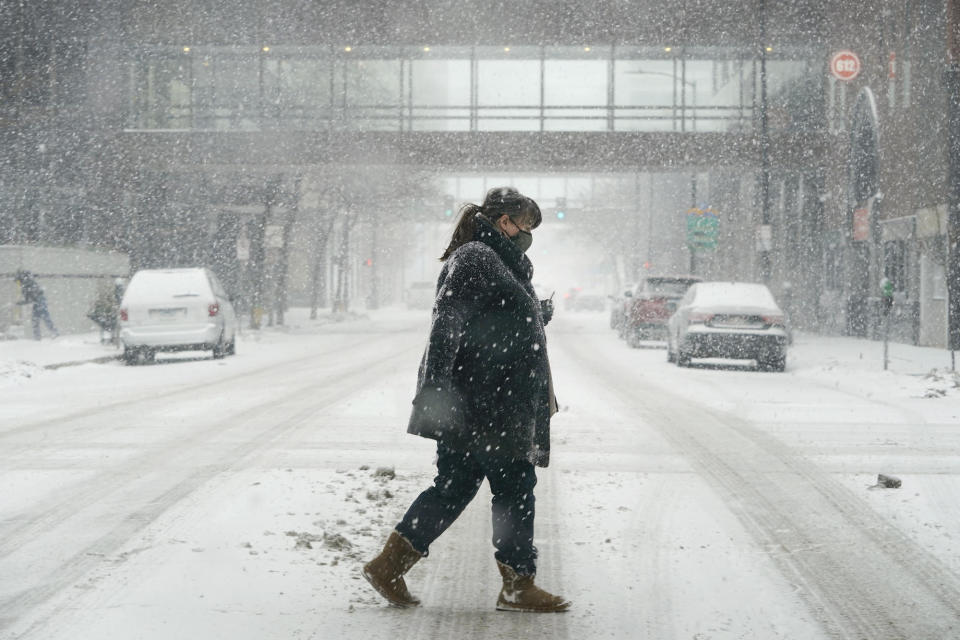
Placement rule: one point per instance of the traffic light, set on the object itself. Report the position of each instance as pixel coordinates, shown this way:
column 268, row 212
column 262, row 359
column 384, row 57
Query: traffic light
column 448, row 206
column 561, row 208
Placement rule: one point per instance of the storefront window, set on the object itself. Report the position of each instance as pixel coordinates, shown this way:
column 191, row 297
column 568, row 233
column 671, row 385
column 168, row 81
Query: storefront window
column 895, row 264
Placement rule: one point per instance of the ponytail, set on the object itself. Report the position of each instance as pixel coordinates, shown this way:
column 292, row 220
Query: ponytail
column 499, row 201
column 466, row 227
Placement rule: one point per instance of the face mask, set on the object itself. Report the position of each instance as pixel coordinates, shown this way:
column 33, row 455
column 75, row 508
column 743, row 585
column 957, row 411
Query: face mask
column 523, row 240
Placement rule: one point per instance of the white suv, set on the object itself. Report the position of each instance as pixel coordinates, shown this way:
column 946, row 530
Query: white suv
column 176, row 310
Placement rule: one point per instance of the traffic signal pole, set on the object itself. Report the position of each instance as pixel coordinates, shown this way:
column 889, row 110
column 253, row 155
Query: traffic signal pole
column 693, row 205
column 953, row 178
column 764, row 257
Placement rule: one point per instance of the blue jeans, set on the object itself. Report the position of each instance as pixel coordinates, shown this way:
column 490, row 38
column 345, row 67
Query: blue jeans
column 40, row 314
column 459, row 476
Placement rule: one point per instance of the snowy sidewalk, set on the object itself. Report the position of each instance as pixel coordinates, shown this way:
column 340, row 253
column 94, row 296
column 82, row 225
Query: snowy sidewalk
column 51, row 353
column 857, row 362
column 852, row 364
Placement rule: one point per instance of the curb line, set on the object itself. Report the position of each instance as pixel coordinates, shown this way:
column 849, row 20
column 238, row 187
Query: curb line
column 100, row 360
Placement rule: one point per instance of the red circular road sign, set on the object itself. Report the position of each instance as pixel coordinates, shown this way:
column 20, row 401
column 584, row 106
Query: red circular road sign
column 845, row 65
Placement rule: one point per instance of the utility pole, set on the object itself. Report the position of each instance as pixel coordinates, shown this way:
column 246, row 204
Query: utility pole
column 257, row 233
column 650, row 220
column 693, row 205
column 258, row 252
column 953, row 177
column 635, row 264
column 341, row 301
column 317, row 275
column 291, row 218
column 764, row 151
column 374, row 302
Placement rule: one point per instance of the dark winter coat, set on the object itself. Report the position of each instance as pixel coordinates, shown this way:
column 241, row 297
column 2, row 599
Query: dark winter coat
column 32, row 292
column 484, row 381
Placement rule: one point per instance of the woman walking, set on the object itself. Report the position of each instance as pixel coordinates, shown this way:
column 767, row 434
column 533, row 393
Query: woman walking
column 485, row 395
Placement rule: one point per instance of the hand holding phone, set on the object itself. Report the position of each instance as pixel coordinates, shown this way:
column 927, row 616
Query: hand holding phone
column 546, row 309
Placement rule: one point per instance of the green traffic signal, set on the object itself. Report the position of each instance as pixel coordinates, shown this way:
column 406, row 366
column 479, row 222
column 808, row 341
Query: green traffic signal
column 561, row 206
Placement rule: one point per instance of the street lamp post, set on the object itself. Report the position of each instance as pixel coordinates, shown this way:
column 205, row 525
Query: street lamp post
column 650, row 220
column 952, row 78
column 683, row 127
column 764, row 257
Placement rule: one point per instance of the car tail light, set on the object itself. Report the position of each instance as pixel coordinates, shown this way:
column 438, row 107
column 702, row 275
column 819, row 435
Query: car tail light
column 213, row 309
column 698, row 317
column 773, row 321
column 124, row 316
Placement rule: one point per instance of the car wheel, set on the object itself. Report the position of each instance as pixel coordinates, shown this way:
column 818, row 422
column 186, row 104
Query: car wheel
column 778, row 364
column 219, row 349
column 130, row 356
column 232, row 347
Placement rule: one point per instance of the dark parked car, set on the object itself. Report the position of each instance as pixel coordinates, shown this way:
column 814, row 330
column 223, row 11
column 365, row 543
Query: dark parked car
column 648, row 308
column 618, row 307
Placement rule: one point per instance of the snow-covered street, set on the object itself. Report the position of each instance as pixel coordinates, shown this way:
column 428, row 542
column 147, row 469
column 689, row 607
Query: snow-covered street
column 238, row 498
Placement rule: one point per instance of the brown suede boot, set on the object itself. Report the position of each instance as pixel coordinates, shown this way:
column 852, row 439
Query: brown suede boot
column 385, row 572
column 520, row 594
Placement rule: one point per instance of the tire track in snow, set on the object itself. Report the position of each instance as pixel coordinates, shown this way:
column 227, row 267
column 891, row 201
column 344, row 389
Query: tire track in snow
column 860, row 576
column 193, row 388
column 194, row 469
column 49, row 512
column 659, row 624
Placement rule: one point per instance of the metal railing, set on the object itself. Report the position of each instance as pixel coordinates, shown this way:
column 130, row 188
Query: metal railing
column 406, row 117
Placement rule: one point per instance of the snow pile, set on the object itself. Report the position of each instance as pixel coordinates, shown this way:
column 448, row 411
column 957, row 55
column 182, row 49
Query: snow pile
column 13, row 372
column 939, row 383
column 364, row 505
column 212, row 554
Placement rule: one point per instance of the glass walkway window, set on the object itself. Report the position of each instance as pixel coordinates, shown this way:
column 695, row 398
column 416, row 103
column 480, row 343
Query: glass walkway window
column 503, row 88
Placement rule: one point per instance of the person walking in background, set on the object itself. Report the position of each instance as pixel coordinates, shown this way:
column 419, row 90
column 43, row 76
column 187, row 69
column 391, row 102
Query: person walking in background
column 485, row 394
column 105, row 311
column 33, row 294
column 119, row 287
